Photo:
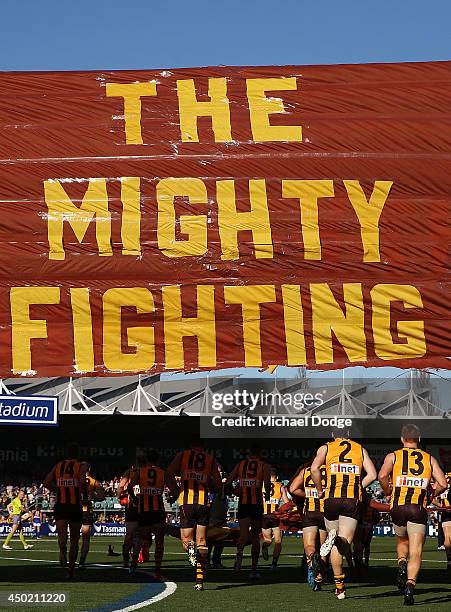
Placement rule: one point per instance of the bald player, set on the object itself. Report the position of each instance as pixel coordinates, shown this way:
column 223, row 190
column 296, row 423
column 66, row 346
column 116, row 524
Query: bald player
column 405, row 477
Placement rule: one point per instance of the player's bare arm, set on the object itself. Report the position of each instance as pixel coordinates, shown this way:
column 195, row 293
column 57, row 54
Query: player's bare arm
column 132, row 479
column 99, row 492
column 171, row 495
column 171, row 473
column 385, row 473
column 267, row 481
column 318, row 461
column 438, row 504
column 120, row 487
column 285, row 498
column 83, row 484
column 123, row 484
column 371, row 472
column 297, row 485
column 441, row 483
column 49, row 481
column 216, row 477
column 231, row 478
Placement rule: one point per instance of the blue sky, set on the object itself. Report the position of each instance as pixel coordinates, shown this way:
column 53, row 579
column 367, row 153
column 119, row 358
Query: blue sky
column 108, row 34
column 101, row 34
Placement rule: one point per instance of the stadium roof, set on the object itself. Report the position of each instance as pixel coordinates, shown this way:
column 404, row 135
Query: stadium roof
column 154, row 395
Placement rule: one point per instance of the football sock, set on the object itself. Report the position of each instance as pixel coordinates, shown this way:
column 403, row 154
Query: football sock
column 339, row 581
column 202, row 553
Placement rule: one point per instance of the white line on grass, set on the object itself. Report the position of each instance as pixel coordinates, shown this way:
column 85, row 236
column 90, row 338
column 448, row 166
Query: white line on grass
column 169, row 589
column 23, row 559
column 387, row 559
column 422, row 560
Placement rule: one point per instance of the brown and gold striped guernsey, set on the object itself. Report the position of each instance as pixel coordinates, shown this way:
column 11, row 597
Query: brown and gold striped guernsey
column 444, row 496
column 67, row 474
column 132, row 500
column 250, row 480
column 276, row 496
column 151, row 480
column 196, row 467
column 312, row 503
column 89, row 495
column 412, row 472
column 344, row 463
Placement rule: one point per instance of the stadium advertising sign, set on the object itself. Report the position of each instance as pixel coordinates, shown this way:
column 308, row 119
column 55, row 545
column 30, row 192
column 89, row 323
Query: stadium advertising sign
column 5, row 529
column 221, row 217
column 49, row 529
column 21, row 410
column 118, row 529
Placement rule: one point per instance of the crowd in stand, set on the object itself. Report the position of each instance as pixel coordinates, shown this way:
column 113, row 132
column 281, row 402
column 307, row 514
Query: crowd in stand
column 36, row 494
column 40, row 499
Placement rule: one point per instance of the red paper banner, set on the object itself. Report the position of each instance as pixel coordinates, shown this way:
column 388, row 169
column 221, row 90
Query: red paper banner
column 220, row 217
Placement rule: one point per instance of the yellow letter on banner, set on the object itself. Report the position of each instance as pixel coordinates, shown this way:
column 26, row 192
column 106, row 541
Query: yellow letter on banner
column 131, row 215
column 82, row 329
column 293, row 317
column 368, row 214
column 261, row 107
column 413, row 331
column 23, row 328
column 142, row 338
column 176, row 326
column 217, row 108
column 195, row 226
column 250, row 297
column 308, row 193
column 328, row 317
column 61, row 208
column 231, row 221
column 132, row 94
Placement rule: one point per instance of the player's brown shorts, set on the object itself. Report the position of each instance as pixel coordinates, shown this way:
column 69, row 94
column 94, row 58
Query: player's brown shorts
column 67, row 512
column 131, row 515
column 269, row 521
column 334, row 507
column 87, row 518
column 194, row 514
column 409, row 513
column 446, row 516
column 153, row 517
column 313, row 518
column 299, row 503
column 251, row 511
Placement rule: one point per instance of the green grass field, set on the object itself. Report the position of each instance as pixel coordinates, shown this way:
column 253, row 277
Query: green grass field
column 105, row 587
